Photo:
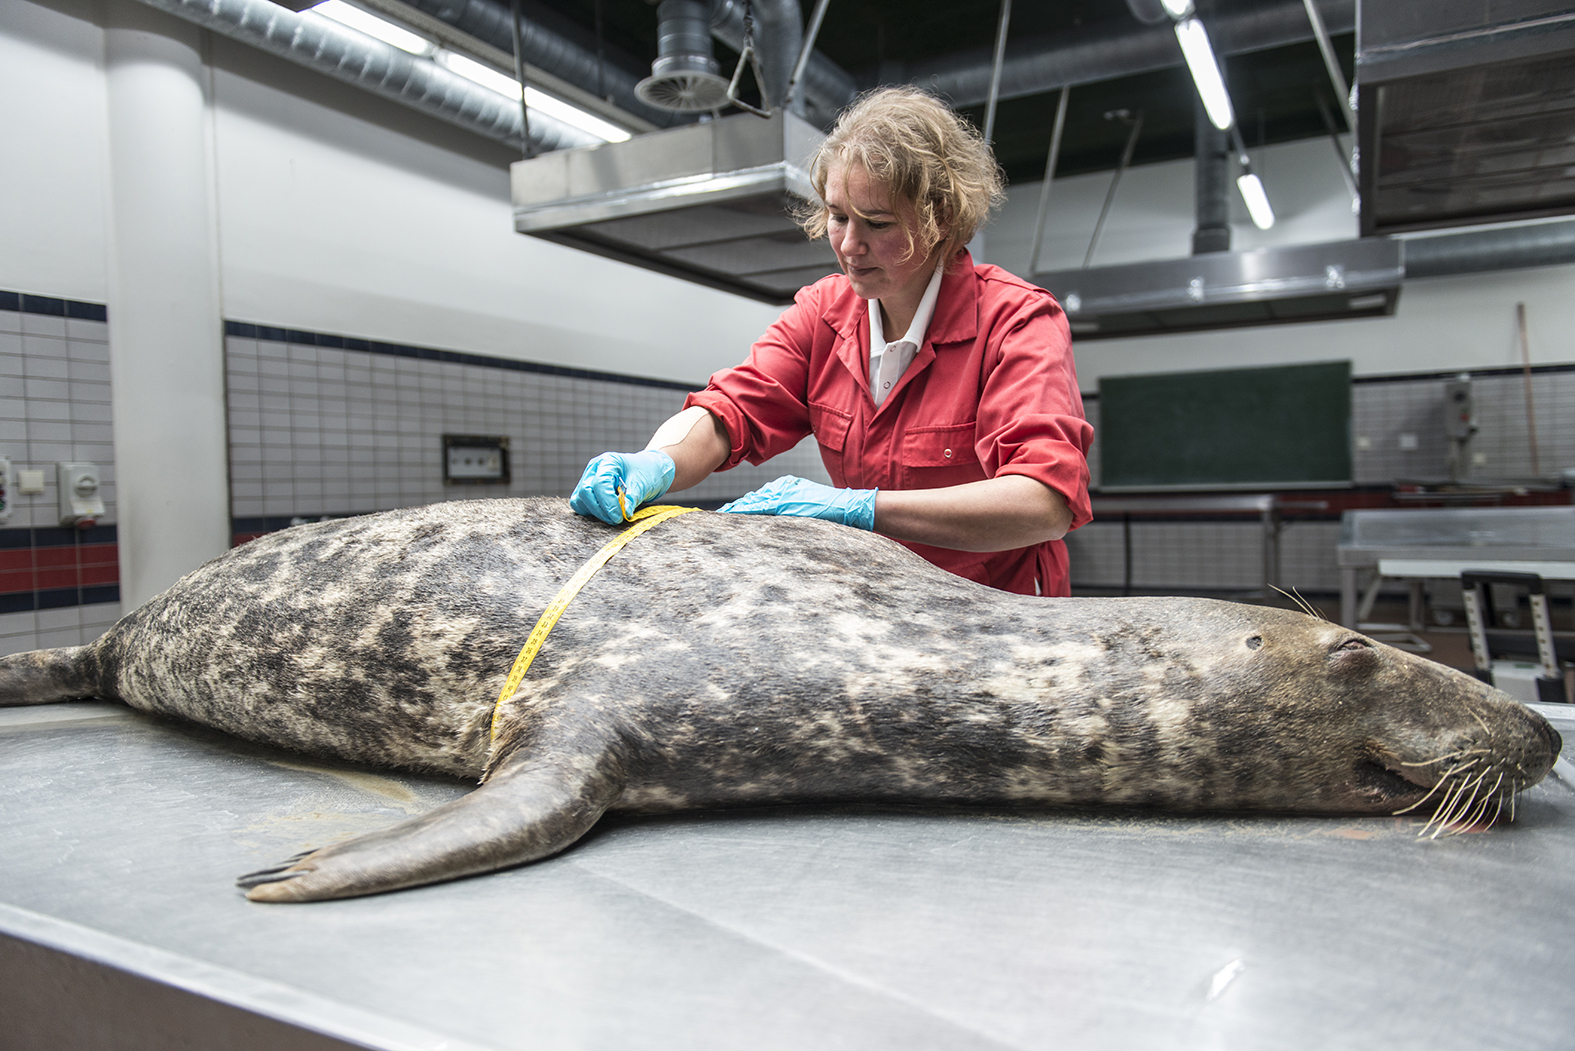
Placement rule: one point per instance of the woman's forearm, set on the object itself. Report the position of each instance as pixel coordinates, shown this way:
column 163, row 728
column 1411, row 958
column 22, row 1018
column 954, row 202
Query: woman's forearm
column 697, row 442
column 996, row 514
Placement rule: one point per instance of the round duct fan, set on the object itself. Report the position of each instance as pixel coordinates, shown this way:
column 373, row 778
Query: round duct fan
column 681, row 87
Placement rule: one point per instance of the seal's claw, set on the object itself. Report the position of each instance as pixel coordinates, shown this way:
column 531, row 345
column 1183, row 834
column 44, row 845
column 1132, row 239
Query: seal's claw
column 277, row 873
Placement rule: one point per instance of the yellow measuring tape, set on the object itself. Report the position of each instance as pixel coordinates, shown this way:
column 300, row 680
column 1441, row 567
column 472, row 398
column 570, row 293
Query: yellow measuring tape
column 643, row 519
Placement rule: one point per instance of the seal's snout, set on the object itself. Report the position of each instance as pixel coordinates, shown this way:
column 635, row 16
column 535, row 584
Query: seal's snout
column 1555, row 740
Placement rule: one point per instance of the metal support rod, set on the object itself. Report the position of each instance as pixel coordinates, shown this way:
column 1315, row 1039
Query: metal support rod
column 1115, row 180
column 601, row 57
column 1335, row 75
column 804, row 52
column 1525, row 365
column 1240, row 146
column 995, row 70
column 519, row 75
column 1044, row 188
column 1339, row 147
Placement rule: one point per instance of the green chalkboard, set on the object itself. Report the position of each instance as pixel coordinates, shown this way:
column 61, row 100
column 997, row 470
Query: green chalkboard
column 1283, row 426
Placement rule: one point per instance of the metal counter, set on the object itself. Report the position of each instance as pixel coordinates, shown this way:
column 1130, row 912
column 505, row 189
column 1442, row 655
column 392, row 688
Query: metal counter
column 1485, row 534
column 834, row 928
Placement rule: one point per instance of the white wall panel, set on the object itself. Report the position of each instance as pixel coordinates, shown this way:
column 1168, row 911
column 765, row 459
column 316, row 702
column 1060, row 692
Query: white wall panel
column 331, row 221
column 53, row 156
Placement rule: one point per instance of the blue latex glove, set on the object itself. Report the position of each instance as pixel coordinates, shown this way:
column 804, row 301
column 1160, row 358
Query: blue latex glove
column 801, row 498
column 642, row 476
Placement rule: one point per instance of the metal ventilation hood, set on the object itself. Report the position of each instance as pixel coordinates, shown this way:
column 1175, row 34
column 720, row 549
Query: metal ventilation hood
column 1466, row 112
column 708, row 203
column 1318, row 282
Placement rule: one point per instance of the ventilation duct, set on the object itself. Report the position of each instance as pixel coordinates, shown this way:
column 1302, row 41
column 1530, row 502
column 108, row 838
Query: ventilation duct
column 684, row 77
column 492, row 23
column 1340, row 279
column 708, row 203
column 1465, row 112
column 321, row 44
column 1036, row 65
column 1504, row 248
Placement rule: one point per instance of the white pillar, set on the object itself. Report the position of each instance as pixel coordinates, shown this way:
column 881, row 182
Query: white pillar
column 166, row 329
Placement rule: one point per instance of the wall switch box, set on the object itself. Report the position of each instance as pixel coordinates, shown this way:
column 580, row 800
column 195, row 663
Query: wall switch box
column 473, row 459
column 80, row 502
column 29, row 483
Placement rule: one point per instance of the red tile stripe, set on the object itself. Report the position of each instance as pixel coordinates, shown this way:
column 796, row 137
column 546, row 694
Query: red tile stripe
column 46, row 568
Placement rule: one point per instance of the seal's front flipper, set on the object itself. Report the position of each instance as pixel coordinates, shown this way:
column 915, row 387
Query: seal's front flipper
column 525, row 812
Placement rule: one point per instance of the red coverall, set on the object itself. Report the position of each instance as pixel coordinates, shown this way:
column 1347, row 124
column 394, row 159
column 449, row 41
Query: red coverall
column 992, row 391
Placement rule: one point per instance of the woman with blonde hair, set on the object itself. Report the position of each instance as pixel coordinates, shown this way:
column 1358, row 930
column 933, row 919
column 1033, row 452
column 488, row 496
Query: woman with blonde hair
column 942, row 393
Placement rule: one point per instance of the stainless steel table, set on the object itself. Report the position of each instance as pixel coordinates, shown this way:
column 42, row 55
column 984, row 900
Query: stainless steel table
column 854, row 928
column 1459, row 535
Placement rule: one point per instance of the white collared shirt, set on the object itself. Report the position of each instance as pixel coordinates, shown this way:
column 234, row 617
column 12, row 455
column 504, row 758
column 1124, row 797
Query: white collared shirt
column 888, row 361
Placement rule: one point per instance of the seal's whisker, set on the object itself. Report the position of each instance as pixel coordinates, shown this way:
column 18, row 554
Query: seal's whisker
column 1440, row 784
column 1451, row 805
column 1448, row 781
column 1301, row 603
column 1453, row 821
column 1475, row 816
column 1451, row 790
column 1449, row 755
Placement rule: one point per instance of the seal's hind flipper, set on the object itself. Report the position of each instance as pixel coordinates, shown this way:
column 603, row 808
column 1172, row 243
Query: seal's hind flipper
column 525, row 812
column 46, row 676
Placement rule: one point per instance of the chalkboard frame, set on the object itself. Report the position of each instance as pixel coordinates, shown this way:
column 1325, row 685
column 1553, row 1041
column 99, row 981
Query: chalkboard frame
column 1265, row 428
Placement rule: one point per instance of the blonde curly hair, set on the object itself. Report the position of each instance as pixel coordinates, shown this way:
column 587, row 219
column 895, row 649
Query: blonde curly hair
column 925, row 155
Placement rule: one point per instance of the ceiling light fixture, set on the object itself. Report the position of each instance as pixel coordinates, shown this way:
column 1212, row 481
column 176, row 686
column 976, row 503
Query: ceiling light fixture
column 1251, row 187
column 1194, row 40
column 1257, row 201
column 373, row 26
column 508, row 87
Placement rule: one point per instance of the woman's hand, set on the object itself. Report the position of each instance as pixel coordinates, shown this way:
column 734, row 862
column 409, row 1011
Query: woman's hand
column 640, row 478
column 801, row 498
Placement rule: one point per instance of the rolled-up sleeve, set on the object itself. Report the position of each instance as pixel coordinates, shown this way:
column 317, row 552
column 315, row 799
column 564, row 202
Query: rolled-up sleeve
column 1030, row 409
column 763, row 402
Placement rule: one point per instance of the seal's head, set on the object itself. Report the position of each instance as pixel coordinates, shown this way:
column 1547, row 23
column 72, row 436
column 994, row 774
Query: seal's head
column 1381, row 730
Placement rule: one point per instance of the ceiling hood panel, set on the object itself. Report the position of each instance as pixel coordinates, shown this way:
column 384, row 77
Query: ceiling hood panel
column 1340, row 279
column 1466, row 112
column 708, row 202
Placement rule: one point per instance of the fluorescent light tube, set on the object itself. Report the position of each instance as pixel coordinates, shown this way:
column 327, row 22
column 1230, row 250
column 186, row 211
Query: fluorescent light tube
column 507, row 86
column 574, row 115
column 1177, row 9
column 1194, row 40
column 1251, row 188
column 373, row 26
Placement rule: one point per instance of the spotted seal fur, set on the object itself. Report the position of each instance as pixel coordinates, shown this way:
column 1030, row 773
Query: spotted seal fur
column 726, row 660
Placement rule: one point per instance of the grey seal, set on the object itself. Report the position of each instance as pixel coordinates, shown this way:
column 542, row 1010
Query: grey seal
column 725, row 660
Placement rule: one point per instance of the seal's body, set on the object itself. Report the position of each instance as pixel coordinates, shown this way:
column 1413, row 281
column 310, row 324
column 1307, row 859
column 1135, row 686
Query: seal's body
column 726, row 660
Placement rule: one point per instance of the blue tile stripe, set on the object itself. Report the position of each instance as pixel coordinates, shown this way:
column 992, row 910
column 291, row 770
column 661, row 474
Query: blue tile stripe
column 49, row 306
column 59, row 598
column 247, row 330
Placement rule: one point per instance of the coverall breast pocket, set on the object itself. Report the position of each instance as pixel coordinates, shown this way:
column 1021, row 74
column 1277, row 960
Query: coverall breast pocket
column 933, row 457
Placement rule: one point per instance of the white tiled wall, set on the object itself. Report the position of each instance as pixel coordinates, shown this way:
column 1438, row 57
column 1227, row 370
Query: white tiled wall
column 47, row 628
column 320, row 430
column 54, row 406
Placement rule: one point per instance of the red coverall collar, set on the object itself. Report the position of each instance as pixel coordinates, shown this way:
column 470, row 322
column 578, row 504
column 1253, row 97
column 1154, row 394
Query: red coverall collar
column 956, row 320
